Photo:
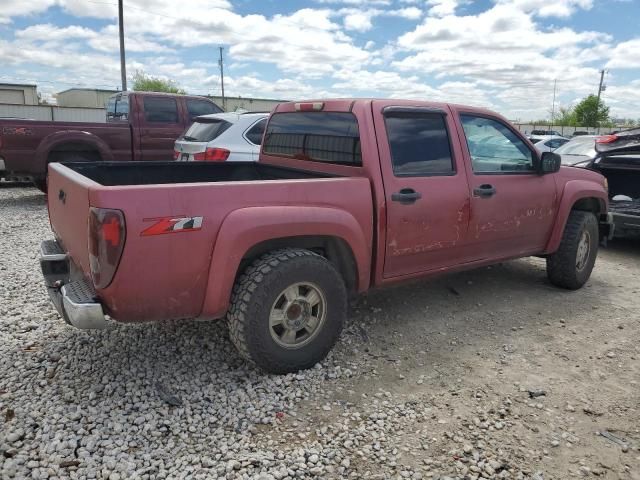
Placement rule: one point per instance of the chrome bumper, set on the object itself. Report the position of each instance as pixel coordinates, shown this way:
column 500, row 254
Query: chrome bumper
column 73, row 295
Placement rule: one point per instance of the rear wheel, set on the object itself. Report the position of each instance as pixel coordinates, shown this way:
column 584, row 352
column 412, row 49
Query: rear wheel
column 81, row 156
column 287, row 310
column 571, row 265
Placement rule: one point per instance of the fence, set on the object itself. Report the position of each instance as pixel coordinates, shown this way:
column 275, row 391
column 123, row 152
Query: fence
column 567, row 131
column 53, row 113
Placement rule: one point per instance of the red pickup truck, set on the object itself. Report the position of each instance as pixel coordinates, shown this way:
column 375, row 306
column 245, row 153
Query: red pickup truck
column 347, row 195
column 139, row 126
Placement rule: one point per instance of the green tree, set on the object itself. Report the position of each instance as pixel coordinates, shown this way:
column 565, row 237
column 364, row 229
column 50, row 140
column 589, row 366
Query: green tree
column 591, row 113
column 146, row 83
column 566, row 117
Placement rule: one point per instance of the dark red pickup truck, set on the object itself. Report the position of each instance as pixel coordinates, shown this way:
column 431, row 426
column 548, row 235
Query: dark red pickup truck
column 139, row 126
column 348, row 195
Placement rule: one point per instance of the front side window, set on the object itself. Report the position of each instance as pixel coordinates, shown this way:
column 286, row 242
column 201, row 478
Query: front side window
column 494, row 147
column 201, row 107
column 255, row 133
column 329, row 137
column 160, row 110
column 419, row 143
column 118, row 108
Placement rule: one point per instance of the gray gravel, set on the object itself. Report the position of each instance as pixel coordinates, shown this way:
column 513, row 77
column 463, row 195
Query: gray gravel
column 174, row 400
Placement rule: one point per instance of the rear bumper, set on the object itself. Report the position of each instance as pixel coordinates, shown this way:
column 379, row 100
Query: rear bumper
column 71, row 293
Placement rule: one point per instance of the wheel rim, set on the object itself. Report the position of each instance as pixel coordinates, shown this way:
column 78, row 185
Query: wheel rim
column 584, row 248
column 297, row 315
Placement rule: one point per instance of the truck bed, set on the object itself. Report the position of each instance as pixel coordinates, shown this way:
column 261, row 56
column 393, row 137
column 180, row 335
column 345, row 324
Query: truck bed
column 162, row 173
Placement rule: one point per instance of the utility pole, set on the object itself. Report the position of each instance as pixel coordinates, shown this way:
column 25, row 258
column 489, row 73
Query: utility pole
column 123, row 68
column 553, row 106
column 601, row 88
column 224, row 102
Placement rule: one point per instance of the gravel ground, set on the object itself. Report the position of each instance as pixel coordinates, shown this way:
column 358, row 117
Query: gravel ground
column 488, row 374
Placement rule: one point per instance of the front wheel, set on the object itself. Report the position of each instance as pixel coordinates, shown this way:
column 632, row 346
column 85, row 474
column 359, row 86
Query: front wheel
column 287, row 310
column 571, row 265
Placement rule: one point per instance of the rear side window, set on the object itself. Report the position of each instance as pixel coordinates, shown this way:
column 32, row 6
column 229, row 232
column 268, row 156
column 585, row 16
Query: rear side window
column 160, row 110
column 201, row 107
column 330, row 137
column 419, row 144
column 255, row 133
column 205, row 130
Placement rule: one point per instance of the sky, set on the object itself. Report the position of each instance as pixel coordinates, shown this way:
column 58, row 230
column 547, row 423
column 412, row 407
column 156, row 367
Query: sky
column 502, row 54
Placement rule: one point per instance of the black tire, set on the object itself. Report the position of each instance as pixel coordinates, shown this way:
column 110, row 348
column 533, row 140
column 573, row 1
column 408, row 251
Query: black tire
column 563, row 268
column 256, row 292
column 41, row 183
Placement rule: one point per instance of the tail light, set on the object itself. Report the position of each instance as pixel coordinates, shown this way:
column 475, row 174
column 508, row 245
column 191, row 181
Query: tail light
column 607, row 139
column 106, row 242
column 309, row 107
column 212, row 155
column 176, row 154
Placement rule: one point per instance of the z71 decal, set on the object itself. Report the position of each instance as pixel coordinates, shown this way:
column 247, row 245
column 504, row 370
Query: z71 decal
column 172, row 225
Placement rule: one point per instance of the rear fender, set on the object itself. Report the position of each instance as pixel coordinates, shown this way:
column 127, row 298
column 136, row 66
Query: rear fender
column 574, row 191
column 245, row 228
column 51, row 142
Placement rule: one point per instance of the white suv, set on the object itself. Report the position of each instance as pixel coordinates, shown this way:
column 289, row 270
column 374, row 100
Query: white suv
column 220, row 137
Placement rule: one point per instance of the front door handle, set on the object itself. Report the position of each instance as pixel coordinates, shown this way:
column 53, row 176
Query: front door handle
column 406, row 196
column 484, row 191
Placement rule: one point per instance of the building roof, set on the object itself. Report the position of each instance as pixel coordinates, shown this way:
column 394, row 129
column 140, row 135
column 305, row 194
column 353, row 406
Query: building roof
column 88, row 90
column 31, row 85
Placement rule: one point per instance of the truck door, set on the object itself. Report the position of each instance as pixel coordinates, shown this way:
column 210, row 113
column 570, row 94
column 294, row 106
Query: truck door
column 426, row 190
column 513, row 208
column 160, row 126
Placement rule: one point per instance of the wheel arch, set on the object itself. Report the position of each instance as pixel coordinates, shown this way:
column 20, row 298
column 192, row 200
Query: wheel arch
column 578, row 195
column 248, row 233
column 71, row 141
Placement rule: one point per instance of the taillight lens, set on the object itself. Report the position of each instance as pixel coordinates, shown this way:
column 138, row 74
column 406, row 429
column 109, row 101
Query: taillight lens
column 106, row 242
column 212, row 155
column 607, row 139
column 176, row 154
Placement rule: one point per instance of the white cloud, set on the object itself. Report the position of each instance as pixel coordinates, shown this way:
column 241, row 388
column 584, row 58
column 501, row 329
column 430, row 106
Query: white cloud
column 546, row 8
column 442, row 8
column 625, row 55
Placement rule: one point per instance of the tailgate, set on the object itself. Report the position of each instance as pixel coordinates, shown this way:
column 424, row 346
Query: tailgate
column 68, row 201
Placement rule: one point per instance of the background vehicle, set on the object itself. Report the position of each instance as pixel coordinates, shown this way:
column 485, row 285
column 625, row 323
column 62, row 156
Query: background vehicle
column 548, row 144
column 544, row 133
column 232, row 137
column 617, row 157
column 140, row 126
column 347, row 195
column 578, row 150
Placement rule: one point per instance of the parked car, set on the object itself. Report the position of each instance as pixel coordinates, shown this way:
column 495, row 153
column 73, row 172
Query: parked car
column 348, row 194
column 578, row 150
column 578, row 133
column 617, row 157
column 139, row 126
column 549, row 143
column 544, row 133
column 232, row 137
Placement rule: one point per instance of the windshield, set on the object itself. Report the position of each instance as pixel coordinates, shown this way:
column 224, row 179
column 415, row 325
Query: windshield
column 578, row 146
column 205, row 130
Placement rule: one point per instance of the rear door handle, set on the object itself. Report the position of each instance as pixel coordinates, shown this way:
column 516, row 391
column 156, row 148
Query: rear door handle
column 485, row 191
column 406, row 196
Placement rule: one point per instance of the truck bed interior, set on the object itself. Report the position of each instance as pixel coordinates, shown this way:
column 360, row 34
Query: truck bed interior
column 155, row 173
column 623, row 175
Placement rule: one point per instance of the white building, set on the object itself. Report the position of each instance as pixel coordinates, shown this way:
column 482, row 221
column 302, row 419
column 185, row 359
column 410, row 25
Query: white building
column 84, row 97
column 18, row 94
column 247, row 103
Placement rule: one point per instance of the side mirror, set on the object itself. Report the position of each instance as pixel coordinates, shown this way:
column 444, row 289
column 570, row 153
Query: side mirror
column 549, row 163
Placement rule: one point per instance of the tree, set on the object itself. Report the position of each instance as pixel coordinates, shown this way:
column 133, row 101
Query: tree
column 591, row 113
column 146, row 83
column 566, row 116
